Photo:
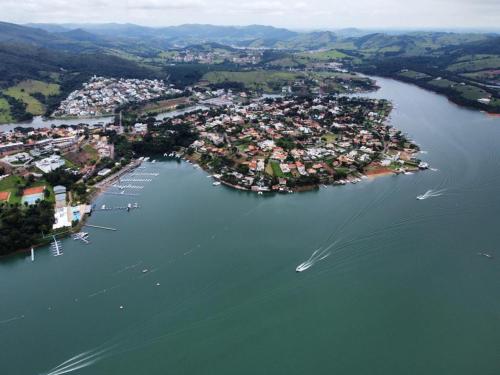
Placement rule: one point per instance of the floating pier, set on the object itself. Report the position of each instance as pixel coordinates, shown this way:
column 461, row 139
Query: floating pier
column 82, row 236
column 155, row 174
column 122, row 187
column 119, row 208
column 100, row 227
column 56, row 247
column 122, row 193
column 135, row 180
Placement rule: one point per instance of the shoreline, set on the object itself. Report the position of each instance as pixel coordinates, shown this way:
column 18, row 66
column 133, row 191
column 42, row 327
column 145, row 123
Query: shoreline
column 472, row 106
column 350, row 179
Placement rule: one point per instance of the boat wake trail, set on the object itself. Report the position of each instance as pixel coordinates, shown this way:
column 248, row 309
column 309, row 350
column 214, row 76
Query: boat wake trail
column 11, row 319
column 430, row 194
column 80, row 361
column 316, row 256
column 127, row 268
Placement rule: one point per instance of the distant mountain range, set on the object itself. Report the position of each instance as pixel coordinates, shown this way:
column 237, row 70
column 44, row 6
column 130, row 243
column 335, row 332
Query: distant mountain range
column 60, row 52
column 142, row 40
column 51, row 47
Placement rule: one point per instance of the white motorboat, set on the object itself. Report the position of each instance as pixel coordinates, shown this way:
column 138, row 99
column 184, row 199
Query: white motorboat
column 303, row 266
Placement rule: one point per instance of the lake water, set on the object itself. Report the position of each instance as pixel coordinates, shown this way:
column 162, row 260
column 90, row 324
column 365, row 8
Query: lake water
column 403, row 290
column 39, row 122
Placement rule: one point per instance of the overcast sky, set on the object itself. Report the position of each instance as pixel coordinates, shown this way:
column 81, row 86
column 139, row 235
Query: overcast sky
column 287, row 13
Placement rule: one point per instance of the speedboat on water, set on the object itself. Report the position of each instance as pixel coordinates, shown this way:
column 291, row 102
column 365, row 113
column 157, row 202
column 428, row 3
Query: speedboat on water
column 303, row 266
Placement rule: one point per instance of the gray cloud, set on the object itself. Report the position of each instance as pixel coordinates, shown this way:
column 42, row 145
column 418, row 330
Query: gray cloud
column 287, row 13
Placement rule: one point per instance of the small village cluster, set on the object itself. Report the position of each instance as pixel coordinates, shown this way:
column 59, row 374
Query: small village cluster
column 101, row 95
column 244, row 57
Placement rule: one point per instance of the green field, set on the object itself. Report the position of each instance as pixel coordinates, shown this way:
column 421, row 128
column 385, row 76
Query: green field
column 24, row 89
column 268, row 81
column 491, row 62
column 323, row 55
column 467, row 91
column 273, row 81
column 442, row 83
column 10, row 184
column 31, row 86
column 414, row 75
column 495, row 102
column 4, row 111
column 471, row 92
column 277, row 172
column 484, row 75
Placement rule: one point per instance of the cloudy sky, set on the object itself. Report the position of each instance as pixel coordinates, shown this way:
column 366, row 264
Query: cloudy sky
column 286, row 13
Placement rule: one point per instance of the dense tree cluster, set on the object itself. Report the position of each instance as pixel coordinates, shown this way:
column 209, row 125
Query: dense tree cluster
column 169, row 138
column 63, row 177
column 22, row 227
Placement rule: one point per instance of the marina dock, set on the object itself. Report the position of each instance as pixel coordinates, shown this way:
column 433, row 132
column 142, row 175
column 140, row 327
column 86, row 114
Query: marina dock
column 121, row 187
column 56, row 247
column 154, row 174
column 122, row 193
column 100, row 227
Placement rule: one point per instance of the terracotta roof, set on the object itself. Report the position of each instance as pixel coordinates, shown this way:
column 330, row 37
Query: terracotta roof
column 34, row 190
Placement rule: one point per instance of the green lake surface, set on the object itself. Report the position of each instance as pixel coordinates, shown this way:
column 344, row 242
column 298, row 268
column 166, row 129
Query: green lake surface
column 403, row 290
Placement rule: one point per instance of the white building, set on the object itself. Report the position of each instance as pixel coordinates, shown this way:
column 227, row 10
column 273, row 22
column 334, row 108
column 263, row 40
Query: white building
column 49, row 164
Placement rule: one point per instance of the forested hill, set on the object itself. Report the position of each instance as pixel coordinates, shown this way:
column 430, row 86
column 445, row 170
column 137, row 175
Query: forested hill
column 18, row 62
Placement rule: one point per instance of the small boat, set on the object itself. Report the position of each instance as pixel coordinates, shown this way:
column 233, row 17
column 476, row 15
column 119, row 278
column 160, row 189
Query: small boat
column 486, row 255
column 145, row 270
column 216, row 183
column 260, row 193
column 103, row 207
column 303, row 266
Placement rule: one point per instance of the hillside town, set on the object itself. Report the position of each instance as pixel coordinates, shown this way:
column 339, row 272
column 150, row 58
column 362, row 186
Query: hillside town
column 100, row 96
